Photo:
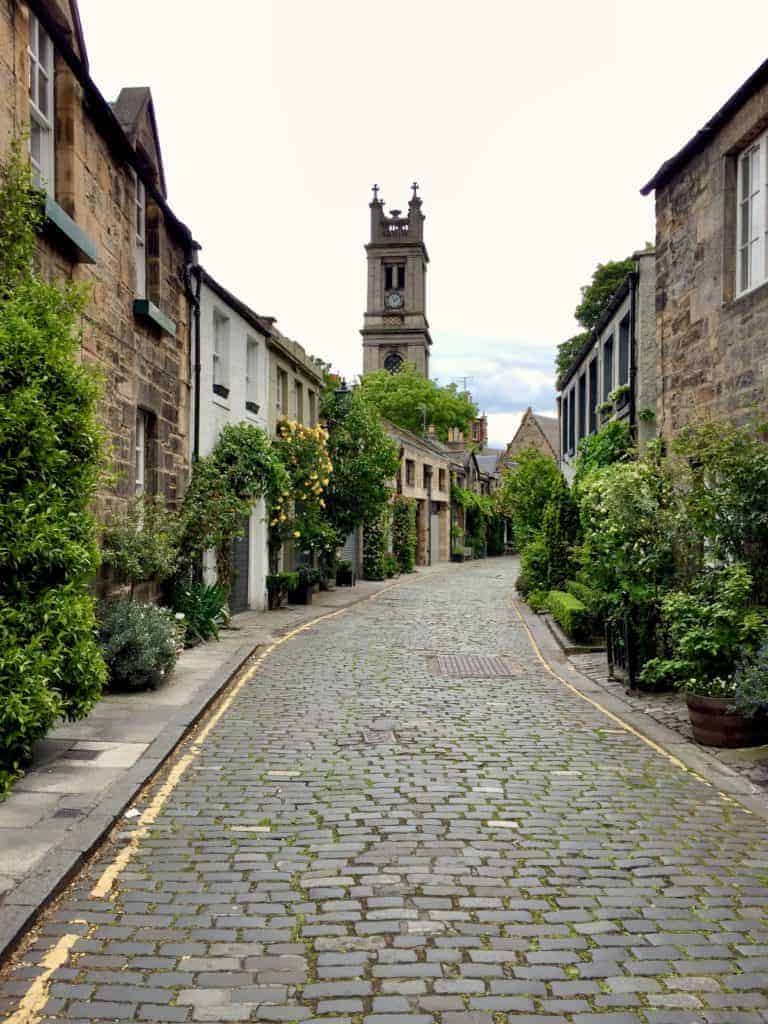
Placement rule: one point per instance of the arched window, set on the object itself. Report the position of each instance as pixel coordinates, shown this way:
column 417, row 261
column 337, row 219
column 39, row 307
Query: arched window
column 393, row 362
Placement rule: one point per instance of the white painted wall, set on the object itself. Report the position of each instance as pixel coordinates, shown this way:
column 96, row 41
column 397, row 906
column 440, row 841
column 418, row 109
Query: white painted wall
column 216, row 411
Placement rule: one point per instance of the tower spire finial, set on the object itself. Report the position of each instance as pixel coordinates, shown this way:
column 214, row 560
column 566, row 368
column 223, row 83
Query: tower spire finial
column 375, row 191
column 415, row 187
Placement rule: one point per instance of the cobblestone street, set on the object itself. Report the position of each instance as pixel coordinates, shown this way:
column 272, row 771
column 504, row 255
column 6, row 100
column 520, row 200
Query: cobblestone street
column 375, row 831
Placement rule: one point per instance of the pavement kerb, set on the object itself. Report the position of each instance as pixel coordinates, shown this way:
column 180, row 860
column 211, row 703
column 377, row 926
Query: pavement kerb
column 686, row 755
column 24, row 905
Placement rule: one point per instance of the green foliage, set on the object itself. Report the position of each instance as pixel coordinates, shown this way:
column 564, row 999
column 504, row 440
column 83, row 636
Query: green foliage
column 50, row 463
column 710, row 627
column 308, row 576
column 750, row 684
column 538, row 600
column 495, row 535
column 404, row 533
column 526, row 488
column 138, row 643
column 364, row 458
column 596, row 295
column 612, row 443
column 282, row 582
column 344, row 573
column 204, row 609
column 566, row 353
column 143, row 544
column 721, row 473
column 591, row 599
column 374, row 548
column 570, row 614
column 391, row 565
column 411, row 400
column 225, row 484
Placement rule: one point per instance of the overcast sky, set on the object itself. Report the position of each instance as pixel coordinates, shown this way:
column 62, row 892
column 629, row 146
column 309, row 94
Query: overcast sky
column 529, row 126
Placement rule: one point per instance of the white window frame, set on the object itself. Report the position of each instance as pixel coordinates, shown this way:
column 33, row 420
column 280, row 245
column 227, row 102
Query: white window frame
column 141, row 451
column 140, row 236
column 220, row 350
column 41, row 111
column 252, row 361
column 752, row 216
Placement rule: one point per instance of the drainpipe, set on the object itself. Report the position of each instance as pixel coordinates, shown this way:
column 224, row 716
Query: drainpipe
column 194, row 301
column 632, row 360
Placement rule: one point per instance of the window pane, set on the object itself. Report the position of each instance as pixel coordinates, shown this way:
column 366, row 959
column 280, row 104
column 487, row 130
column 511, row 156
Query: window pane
column 744, row 223
column 44, row 48
column 35, row 142
column 42, row 93
column 745, row 189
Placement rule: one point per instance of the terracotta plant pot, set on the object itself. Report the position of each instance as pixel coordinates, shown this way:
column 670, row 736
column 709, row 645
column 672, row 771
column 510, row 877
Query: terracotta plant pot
column 715, row 726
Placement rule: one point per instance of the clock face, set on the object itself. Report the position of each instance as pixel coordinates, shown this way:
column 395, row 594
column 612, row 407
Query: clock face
column 394, row 300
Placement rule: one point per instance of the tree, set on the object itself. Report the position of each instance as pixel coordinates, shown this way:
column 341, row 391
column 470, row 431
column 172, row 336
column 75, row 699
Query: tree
column 411, row 401
column 364, row 459
column 50, row 465
column 525, row 491
column 595, row 297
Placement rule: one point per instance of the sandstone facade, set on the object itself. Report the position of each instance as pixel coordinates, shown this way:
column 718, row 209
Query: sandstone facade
column 535, row 431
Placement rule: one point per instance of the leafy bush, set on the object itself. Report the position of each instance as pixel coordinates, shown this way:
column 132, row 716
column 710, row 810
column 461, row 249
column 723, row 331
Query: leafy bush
column 591, row 599
column 144, row 543
column 391, row 565
column 525, row 491
column 204, row 609
column 138, row 643
column 308, row 576
column 538, row 600
column 570, row 614
column 495, row 535
column 750, row 684
column 404, row 532
column 612, row 443
column 534, row 567
column 282, row 582
column 50, row 463
column 523, row 585
column 709, row 628
column 374, row 539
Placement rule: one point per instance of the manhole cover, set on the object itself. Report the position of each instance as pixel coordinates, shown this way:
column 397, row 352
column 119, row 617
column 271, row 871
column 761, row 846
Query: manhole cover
column 472, row 666
column 75, row 754
column 374, row 736
column 68, row 812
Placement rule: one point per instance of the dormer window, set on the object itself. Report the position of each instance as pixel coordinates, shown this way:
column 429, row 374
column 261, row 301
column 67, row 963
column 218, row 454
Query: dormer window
column 140, row 237
column 41, row 142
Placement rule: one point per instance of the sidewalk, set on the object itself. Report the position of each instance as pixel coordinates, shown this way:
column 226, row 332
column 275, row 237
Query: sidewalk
column 85, row 774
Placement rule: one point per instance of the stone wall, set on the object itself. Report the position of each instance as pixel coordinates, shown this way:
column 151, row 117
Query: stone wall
column 645, row 341
column 711, row 346
column 529, row 435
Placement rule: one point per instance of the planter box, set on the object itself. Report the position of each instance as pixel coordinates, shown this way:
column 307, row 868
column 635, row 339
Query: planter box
column 457, row 556
column 301, row 595
column 715, row 726
column 276, row 599
column 345, row 578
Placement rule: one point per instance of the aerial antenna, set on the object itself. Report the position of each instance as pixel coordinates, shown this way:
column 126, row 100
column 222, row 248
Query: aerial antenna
column 464, row 381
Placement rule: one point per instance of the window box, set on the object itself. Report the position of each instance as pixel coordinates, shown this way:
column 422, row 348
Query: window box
column 145, row 310
column 221, row 391
column 65, row 232
column 252, row 407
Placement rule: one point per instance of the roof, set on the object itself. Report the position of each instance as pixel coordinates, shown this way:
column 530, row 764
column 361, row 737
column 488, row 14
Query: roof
column 704, row 135
column 614, row 302
column 133, row 108
column 425, row 443
column 264, row 325
column 487, row 463
column 550, row 429
column 102, row 114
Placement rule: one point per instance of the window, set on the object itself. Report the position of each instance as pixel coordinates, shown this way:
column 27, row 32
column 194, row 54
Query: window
column 410, row 472
column 572, row 423
column 252, row 375
column 607, row 368
column 282, row 392
column 582, row 406
column 140, row 238
column 393, row 362
column 394, row 276
column 564, row 422
column 312, row 398
column 299, row 401
column 593, row 396
column 145, row 434
column 752, row 216
column 220, row 354
column 426, row 476
column 41, row 106
column 441, row 479
column 624, row 351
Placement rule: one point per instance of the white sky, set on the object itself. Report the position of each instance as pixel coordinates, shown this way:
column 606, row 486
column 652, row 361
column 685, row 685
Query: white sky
column 530, row 127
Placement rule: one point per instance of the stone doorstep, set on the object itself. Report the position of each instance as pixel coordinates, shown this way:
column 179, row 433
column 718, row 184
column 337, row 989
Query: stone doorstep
column 565, row 643
column 23, row 900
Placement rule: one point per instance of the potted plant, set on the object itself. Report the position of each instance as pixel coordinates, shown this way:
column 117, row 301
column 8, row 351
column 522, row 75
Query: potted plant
column 604, row 411
column 302, row 590
column 457, row 548
column 278, row 586
column 620, row 396
column 725, row 713
column 345, row 576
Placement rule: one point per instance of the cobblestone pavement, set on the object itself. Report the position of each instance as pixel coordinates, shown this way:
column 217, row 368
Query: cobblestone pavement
column 361, row 838
column 670, row 709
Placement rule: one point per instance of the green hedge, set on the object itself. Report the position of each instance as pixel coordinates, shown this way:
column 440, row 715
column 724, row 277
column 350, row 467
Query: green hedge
column 404, row 532
column 591, row 598
column 571, row 614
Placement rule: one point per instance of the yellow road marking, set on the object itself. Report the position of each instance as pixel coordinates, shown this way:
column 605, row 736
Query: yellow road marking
column 36, row 996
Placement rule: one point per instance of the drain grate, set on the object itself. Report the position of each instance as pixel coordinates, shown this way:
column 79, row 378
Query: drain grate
column 68, row 812
column 77, row 754
column 473, row 666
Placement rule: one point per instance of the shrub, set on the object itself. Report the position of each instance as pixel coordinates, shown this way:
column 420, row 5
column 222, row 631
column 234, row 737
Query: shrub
column 138, row 643
column 570, row 614
column 404, row 532
column 709, row 628
column 308, row 576
column 495, row 535
column 391, row 565
column 538, row 600
column 144, row 543
column 534, row 566
column 612, row 443
column 50, row 463
column 525, row 491
column 373, row 549
column 523, row 585
column 282, row 582
column 750, row 684
column 204, row 609
column 591, row 599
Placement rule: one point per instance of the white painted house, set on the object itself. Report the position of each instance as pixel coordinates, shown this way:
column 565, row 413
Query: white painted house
column 230, row 375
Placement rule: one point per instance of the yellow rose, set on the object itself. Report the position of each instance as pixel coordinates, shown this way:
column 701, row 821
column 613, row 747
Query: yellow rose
column 297, row 533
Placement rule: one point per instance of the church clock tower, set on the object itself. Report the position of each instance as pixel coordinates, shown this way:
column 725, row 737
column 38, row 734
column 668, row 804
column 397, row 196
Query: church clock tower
column 395, row 329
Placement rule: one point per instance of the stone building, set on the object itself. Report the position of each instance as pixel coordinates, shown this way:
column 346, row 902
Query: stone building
column 535, row 431
column 712, row 265
column 108, row 225
column 613, row 376
column 232, row 385
column 395, row 329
